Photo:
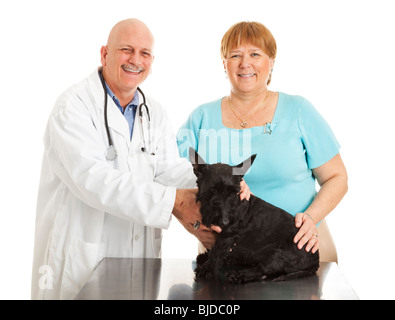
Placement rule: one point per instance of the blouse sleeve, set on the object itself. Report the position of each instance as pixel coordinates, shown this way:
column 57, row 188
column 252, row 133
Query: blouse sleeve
column 187, row 135
column 318, row 138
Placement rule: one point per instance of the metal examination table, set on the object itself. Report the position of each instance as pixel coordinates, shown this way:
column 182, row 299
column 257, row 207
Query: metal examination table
column 173, row 279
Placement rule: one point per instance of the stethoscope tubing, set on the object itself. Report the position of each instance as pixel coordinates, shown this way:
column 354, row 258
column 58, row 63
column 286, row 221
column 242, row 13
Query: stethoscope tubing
column 140, row 113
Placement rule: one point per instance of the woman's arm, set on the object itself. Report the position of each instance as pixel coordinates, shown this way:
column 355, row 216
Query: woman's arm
column 332, row 178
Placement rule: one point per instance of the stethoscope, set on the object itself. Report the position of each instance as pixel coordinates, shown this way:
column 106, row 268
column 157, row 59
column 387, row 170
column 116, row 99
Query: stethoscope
column 111, row 151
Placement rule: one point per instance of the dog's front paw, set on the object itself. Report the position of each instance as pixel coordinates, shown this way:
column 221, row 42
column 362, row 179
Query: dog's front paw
column 234, row 277
column 204, row 273
column 202, row 258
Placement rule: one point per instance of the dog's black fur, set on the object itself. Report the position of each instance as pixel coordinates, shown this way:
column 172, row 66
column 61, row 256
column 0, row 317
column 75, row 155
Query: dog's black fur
column 256, row 241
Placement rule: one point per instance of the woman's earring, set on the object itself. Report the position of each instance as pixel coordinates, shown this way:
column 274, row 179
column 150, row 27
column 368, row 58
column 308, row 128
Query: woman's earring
column 270, row 77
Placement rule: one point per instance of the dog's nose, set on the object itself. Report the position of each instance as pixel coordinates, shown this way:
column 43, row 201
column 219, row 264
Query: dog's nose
column 225, row 221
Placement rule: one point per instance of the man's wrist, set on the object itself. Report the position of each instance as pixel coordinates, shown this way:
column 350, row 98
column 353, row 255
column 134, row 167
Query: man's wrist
column 178, row 202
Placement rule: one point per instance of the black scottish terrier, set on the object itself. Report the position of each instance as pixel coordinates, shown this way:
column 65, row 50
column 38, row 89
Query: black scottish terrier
column 256, row 241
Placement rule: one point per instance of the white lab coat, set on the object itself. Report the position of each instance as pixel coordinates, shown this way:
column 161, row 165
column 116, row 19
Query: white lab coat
column 89, row 207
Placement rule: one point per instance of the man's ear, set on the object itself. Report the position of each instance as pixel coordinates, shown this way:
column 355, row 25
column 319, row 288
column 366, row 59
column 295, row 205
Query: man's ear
column 103, row 55
column 242, row 168
column 198, row 164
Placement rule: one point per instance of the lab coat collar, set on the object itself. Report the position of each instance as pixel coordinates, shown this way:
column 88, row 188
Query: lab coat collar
column 96, row 88
column 116, row 120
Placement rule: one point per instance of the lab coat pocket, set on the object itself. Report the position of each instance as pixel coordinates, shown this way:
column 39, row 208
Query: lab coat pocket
column 153, row 159
column 81, row 260
column 145, row 164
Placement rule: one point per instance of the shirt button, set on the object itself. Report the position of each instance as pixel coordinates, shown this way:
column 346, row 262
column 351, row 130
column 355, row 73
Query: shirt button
column 136, row 237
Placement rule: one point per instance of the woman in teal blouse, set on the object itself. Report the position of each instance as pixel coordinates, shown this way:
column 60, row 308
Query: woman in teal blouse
column 294, row 144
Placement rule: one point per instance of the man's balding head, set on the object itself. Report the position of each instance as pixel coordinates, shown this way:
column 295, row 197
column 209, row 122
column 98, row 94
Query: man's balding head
column 131, row 25
column 127, row 58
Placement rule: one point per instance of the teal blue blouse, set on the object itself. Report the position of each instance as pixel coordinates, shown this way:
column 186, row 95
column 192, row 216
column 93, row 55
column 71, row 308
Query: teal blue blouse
column 296, row 141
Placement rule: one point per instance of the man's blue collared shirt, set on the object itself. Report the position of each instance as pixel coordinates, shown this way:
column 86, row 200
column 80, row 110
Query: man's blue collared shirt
column 130, row 111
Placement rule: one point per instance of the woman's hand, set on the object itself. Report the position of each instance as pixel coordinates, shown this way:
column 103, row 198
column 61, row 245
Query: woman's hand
column 307, row 233
column 245, row 192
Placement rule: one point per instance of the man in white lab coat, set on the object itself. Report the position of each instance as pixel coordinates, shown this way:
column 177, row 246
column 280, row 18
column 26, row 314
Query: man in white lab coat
column 92, row 204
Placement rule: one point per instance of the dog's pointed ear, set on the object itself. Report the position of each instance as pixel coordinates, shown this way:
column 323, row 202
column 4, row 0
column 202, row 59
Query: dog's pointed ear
column 242, row 168
column 195, row 158
column 197, row 161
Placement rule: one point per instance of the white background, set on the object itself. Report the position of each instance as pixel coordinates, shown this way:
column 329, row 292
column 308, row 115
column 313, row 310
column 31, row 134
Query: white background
column 338, row 54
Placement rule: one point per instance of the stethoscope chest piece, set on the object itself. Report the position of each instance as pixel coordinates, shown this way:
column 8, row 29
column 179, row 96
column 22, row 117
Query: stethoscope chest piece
column 111, row 153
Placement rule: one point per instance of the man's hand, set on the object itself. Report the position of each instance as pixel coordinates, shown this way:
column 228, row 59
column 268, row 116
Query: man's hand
column 187, row 212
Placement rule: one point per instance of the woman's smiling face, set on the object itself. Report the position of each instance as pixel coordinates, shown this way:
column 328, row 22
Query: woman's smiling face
column 248, row 68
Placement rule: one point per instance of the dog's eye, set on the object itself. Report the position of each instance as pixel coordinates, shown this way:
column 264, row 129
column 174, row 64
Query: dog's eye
column 215, row 202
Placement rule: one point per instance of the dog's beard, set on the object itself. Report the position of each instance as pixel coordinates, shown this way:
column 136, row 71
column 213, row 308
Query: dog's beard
column 215, row 216
column 218, row 210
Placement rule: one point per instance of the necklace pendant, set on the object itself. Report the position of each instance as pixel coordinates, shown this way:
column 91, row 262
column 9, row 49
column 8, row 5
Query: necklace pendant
column 243, row 124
